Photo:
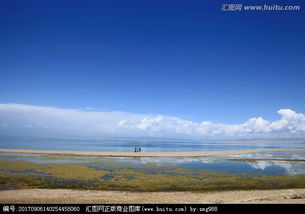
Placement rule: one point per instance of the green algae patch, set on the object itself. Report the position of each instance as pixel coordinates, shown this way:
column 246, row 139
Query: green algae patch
column 20, row 166
column 139, row 177
column 74, row 171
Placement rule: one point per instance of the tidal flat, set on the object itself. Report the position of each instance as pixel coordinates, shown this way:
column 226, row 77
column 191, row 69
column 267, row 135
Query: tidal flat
column 149, row 174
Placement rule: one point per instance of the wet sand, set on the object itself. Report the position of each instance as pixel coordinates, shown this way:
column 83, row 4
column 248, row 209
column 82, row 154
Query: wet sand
column 67, row 196
column 147, row 154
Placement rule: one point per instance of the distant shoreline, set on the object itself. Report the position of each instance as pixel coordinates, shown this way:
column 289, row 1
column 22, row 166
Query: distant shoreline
column 147, row 154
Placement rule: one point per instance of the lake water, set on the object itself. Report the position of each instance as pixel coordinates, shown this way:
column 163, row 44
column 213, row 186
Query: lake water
column 147, row 145
column 214, row 163
column 266, row 170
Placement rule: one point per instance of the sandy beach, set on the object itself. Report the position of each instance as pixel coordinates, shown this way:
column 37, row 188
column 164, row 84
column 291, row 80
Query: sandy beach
column 94, row 196
column 146, row 154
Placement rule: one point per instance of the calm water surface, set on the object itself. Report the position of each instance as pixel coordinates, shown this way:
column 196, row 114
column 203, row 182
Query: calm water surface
column 147, row 145
column 216, row 163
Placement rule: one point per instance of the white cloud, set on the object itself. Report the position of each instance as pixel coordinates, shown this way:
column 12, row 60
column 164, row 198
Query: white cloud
column 290, row 168
column 29, row 119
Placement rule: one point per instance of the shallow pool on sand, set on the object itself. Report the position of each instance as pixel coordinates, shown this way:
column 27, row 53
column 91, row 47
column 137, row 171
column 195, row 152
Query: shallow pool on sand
column 251, row 171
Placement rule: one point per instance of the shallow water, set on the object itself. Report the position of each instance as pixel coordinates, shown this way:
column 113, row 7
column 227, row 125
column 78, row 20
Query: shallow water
column 213, row 163
column 273, row 169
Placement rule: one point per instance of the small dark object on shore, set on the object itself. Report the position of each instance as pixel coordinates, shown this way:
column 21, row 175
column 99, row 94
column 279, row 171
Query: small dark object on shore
column 137, row 149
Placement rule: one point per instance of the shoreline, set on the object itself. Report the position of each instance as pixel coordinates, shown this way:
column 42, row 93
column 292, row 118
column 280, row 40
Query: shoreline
column 147, row 154
column 68, row 196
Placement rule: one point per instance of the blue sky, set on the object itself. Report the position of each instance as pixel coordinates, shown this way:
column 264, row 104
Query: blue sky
column 185, row 59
